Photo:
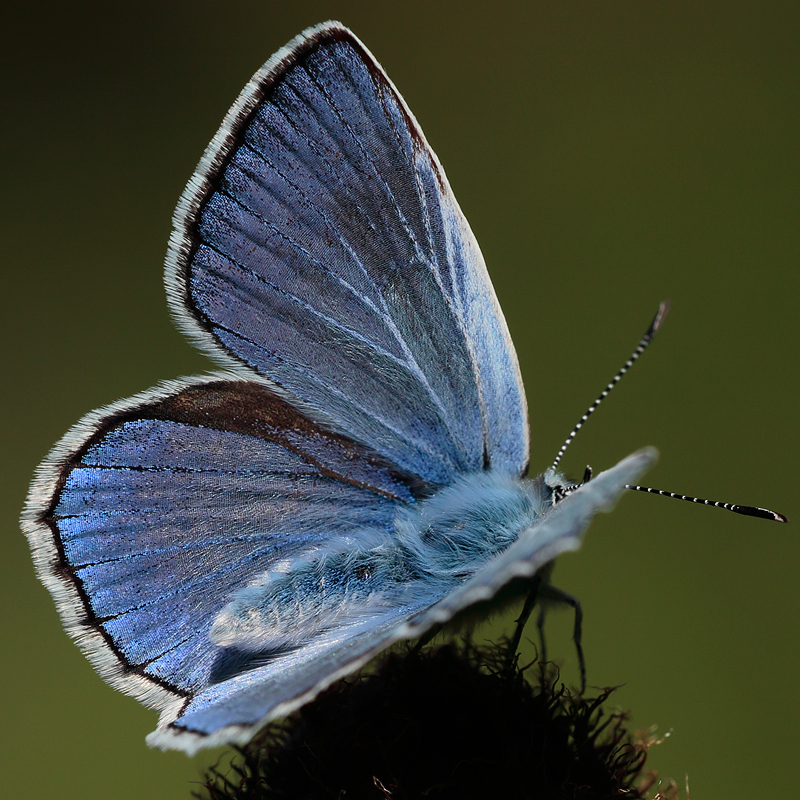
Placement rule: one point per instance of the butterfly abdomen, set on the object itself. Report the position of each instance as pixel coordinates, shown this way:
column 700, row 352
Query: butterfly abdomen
column 438, row 543
column 322, row 588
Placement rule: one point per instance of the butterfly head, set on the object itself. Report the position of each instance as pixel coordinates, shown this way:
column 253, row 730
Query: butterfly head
column 561, row 487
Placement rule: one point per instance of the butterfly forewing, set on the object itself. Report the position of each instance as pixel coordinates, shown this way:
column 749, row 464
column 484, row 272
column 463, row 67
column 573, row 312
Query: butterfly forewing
column 320, row 245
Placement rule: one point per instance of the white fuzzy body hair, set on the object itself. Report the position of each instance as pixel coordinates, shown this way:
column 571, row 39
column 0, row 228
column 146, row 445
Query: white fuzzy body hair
column 452, row 534
column 433, row 546
column 300, row 596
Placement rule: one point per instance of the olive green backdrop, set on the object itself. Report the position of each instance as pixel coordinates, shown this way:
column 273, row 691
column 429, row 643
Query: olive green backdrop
column 608, row 155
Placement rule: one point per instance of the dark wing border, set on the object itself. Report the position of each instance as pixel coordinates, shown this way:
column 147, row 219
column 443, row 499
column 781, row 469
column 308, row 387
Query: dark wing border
column 202, row 184
column 231, row 133
column 164, row 401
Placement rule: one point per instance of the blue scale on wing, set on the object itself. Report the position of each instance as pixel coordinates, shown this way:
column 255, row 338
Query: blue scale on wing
column 313, row 355
column 332, row 258
column 182, row 501
column 340, row 336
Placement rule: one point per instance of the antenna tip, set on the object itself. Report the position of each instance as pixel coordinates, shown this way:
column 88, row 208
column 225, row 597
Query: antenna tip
column 659, row 318
column 763, row 513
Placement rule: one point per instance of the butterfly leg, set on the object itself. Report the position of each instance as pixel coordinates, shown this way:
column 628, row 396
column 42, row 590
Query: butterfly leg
column 527, row 608
column 542, row 640
column 426, row 637
column 551, row 593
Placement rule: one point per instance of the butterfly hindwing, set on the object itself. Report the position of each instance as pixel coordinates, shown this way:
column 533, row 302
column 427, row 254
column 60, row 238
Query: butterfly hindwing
column 150, row 514
column 320, row 245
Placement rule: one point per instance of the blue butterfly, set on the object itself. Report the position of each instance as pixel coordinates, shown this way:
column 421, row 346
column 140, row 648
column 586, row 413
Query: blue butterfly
column 224, row 547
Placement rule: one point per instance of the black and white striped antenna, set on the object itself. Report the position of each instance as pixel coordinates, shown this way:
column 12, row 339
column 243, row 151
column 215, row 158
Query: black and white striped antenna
column 642, row 346
column 750, row 511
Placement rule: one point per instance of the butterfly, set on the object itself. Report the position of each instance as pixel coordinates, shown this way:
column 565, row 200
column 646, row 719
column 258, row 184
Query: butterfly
column 224, row 547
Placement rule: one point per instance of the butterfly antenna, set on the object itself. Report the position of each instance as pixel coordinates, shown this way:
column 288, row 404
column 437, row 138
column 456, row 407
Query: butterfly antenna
column 750, row 511
column 645, row 340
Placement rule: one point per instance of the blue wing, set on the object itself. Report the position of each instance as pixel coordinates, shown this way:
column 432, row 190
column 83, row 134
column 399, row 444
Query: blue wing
column 319, row 244
column 233, row 711
column 152, row 512
column 320, row 254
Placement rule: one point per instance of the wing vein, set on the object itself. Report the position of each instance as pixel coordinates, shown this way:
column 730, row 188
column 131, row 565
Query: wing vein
column 403, row 435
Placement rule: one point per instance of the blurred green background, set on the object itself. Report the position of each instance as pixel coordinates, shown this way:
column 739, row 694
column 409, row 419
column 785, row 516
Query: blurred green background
column 608, row 155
